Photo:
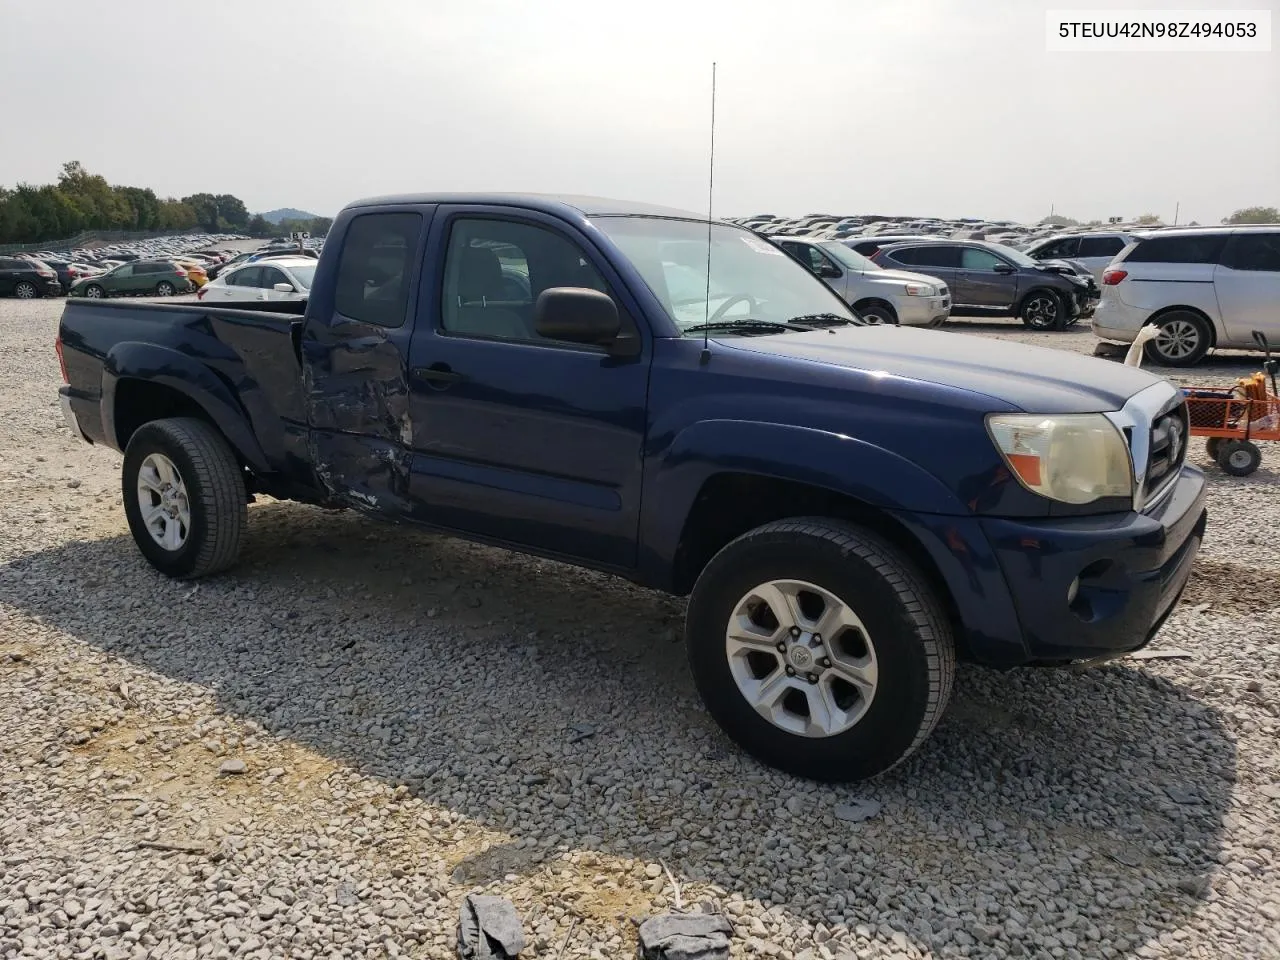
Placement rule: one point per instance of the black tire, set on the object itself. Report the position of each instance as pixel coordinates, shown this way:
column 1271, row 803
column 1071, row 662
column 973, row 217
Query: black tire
column 1212, row 446
column 904, row 622
column 1043, row 310
column 165, row 289
column 877, row 312
column 1239, row 457
column 25, row 290
column 215, row 492
column 1184, row 339
column 95, row 292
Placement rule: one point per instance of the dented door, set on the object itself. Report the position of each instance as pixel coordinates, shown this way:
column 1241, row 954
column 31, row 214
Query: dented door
column 354, row 350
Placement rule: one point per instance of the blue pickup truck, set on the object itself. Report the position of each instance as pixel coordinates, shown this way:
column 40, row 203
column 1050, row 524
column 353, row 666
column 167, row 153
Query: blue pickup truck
column 850, row 507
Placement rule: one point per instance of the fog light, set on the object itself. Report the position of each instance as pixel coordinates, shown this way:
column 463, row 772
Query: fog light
column 1072, row 591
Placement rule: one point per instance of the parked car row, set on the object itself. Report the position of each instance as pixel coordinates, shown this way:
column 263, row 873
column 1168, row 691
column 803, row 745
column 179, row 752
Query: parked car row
column 922, row 282
column 27, row 275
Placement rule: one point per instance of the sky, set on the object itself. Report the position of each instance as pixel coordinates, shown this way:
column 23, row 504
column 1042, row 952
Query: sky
column 948, row 108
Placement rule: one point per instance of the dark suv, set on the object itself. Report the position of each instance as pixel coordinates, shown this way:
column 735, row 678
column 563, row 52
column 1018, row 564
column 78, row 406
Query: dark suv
column 27, row 279
column 990, row 279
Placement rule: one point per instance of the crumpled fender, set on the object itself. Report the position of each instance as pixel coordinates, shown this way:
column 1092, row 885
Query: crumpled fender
column 188, row 376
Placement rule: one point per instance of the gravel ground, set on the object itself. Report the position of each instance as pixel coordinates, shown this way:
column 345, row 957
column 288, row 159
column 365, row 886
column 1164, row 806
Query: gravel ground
column 409, row 717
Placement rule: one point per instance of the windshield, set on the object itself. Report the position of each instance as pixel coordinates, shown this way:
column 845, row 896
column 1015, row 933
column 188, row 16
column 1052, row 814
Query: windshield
column 848, row 258
column 303, row 275
column 1017, row 256
column 751, row 279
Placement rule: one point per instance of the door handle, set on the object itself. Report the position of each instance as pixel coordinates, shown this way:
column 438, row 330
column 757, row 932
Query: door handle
column 438, row 375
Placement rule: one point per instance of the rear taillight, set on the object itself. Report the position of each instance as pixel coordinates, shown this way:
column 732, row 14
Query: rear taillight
column 179, row 271
column 1112, row 277
column 62, row 361
column 200, row 293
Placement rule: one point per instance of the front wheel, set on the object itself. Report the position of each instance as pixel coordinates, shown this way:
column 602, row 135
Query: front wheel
column 1043, row 310
column 94, row 292
column 877, row 313
column 819, row 649
column 25, row 290
column 184, row 497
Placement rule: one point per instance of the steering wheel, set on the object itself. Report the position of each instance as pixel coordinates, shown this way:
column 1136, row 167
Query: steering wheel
column 724, row 307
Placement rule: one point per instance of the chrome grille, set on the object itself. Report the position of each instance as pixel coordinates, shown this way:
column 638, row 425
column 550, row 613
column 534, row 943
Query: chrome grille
column 1169, row 435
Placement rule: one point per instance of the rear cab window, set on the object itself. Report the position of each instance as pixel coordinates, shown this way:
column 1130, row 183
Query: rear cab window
column 376, row 267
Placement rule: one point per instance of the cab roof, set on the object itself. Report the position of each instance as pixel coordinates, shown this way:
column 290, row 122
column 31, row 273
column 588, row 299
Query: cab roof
column 556, row 204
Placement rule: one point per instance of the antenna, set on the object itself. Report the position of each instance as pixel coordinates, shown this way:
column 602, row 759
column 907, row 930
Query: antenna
column 711, row 182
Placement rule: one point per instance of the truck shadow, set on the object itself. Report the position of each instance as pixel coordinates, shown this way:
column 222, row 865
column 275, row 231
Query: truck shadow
column 1112, row 780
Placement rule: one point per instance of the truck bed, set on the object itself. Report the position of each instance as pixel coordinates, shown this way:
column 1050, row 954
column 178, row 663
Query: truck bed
column 249, row 350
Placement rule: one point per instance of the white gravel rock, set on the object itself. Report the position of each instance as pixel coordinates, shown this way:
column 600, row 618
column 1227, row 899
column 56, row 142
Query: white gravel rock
column 403, row 747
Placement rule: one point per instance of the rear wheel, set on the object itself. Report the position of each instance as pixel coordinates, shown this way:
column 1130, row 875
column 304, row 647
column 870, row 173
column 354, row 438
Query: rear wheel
column 1043, row 310
column 1239, row 457
column 94, row 292
column 164, row 289
column 1212, row 446
column 184, row 497
column 1184, row 338
column 25, row 290
column 819, row 649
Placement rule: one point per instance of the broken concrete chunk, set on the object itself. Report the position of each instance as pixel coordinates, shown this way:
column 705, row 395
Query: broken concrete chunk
column 685, row 936
column 857, row 811
column 489, row 929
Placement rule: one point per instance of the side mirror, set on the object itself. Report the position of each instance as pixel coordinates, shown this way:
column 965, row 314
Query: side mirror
column 1004, row 268
column 576, row 314
column 828, row 272
column 283, row 288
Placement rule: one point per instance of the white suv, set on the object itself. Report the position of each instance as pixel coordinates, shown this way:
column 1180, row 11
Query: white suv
column 877, row 294
column 1203, row 287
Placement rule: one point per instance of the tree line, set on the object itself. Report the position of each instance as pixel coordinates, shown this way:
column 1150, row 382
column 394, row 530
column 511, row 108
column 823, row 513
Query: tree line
column 82, row 201
column 1244, row 215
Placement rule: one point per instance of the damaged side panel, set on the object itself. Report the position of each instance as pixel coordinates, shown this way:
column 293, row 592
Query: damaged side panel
column 357, row 398
column 354, row 350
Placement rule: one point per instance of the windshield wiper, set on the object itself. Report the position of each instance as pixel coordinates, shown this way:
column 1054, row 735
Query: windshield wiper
column 757, row 326
column 829, row 319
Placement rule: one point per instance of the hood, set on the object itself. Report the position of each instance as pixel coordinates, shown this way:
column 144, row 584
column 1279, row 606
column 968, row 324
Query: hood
column 1033, row 379
column 901, row 276
column 1062, row 266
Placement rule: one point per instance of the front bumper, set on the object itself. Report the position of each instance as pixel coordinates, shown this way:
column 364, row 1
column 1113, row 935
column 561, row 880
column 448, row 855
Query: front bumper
column 921, row 311
column 1128, row 571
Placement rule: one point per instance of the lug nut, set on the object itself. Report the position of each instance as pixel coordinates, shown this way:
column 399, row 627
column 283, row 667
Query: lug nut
column 791, row 671
column 813, row 678
column 782, row 648
column 795, row 631
column 824, row 663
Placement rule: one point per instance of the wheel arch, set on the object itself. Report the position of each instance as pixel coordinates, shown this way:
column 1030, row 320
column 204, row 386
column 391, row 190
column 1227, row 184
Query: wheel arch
column 877, row 301
column 730, row 503
column 1183, row 308
column 144, row 382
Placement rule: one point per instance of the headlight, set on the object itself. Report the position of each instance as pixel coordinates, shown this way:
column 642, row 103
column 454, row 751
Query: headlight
column 919, row 290
column 1073, row 458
